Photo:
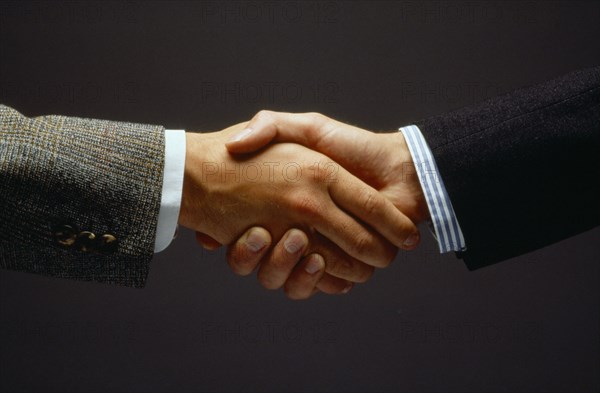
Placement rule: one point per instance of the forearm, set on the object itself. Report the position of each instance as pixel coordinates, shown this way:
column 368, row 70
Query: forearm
column 95, row 176
column 518, row 167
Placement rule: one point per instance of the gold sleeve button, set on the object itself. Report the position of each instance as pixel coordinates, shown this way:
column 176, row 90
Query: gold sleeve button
column 65, row 235
column 86, row 241
column 108, row 243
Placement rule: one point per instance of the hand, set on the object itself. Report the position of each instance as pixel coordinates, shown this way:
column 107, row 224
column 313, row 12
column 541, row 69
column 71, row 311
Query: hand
column 382, row 160
column 223, row 196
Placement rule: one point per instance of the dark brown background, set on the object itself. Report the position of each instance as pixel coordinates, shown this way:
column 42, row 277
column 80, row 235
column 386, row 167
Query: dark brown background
column 424, row 324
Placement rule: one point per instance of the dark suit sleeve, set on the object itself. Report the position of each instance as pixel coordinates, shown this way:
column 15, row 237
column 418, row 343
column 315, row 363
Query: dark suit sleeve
column 521, row 169
column 79, row 198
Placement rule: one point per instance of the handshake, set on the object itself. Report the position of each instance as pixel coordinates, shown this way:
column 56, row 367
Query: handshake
column 313, row 203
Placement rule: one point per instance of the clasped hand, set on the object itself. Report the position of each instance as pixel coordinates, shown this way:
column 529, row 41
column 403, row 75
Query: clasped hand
column 315, row 204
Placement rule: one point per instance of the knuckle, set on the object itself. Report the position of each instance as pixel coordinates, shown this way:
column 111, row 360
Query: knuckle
column 371, row 204
column 236, row 269
column 235, row 266
column 339, row 268
column 317, row 122
column 295, row 293
column 366, row 273
column 343, row 268
column 268, row 280
column 264, row 115
column 315, row 116
column 319, row 172
column 325, row 172
column 284, row 262
column 363, row 245
column 268, row 283
column 318, row 119
column 376, row 252
column 389, row 257
column 306, row 205
column 236, row 262
column 352, row 270
column 390, row 252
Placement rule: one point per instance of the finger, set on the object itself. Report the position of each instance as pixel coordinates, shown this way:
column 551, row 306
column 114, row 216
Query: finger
column 258, row 133
column 352, row 237
column 370, row 206
column 308, row 129
column 278, row 265
column 339, row 265
column 304, row 278
column 244, row 255
column 333, row 286
column 207, row 242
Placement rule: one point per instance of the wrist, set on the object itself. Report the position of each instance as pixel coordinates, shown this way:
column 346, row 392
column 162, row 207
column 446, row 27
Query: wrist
column 193, row 191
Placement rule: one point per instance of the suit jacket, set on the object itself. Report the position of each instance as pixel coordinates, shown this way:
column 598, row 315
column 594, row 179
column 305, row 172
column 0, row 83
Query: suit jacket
column 79, row 198
column 521, row 169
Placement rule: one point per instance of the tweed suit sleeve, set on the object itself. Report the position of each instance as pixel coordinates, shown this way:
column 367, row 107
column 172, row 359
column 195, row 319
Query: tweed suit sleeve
column 99, row 179
column 521, row 169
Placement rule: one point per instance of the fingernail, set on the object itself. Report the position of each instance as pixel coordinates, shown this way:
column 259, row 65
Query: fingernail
column 294, row 242
column 412, row 240
column 315, row 263
column 244, row 133
column 348, row 288
column 255, row 242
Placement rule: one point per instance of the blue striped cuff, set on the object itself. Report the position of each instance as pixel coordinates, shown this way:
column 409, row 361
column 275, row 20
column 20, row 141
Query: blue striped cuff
column 445, row 225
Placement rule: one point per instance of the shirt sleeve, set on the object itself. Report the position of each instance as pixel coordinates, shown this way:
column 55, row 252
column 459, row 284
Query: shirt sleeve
column 443, row 219
column 172, row 187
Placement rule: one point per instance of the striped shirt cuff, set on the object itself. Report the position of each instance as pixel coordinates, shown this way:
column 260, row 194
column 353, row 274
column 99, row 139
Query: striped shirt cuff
column 445, row 225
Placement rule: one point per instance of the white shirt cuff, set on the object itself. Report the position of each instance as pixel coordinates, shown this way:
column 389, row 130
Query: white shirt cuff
column 170, row 200
column 445, row 224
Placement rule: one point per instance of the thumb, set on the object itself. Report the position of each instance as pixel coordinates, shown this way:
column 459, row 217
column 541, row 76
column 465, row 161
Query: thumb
column 257, row 134
column 267, row 126
column 341, row 142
